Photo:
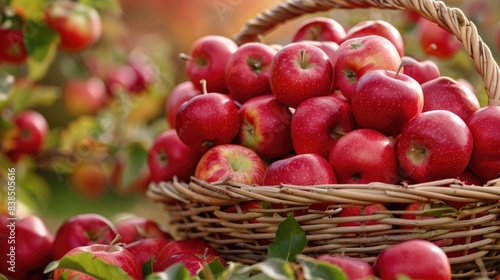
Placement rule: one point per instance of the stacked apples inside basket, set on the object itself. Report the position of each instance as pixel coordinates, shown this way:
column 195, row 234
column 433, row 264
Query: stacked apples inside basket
column 335, row 105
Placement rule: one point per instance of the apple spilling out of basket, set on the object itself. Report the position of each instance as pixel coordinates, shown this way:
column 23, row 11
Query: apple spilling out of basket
column 333, row 106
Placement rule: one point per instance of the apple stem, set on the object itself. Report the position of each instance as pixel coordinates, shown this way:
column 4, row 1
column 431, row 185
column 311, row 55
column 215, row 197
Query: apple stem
column 400, row 67
column 185, row 57
column 302, row 58
column 203, row 83
column 114, row 242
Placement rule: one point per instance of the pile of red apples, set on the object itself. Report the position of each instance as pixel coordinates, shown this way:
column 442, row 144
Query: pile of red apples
column 336, row 105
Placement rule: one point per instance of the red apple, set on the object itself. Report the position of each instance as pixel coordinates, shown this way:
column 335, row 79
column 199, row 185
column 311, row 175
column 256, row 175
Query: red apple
column 484, row 125
column 302, row 170
column 137, row 228
column 12, row 47
column 318, row 123
column 377, row 27
column 238, row 163
column 354, row 268
column 357, row 56
column 88, row 180
column 84, row 96
column 415, row 259
column 320, row 29
column 146, row 71
column 445, row 93
column 360, row 211
column 329, row 47
column 82, row 230
column 418, row 206
column 436, row 41
column 300, row 71
column 25, row 245
column 27, row 136
column 193, row 253
column 247, row 207
column 421, row 70
column 207, row 60
column 120, row 78
column 179, row 94
column 147, row 249
column 111, row 254
column 385, row 101
column 79, row 25
column 265, row 127
column 247, row 71
column 434, row 145
column 207, row 120
column 169, row 157
column 363, row 156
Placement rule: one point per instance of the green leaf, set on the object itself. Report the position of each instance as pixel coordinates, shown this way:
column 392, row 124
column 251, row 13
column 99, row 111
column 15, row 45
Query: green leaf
column 34, row 10
column 136, row 158
column 277, row 269
column 290, row 240
column 87, row 263
column 177, row 271
column 42, row 44
column 147, row 267
column 51, row 267
column 235, row 271
column 314, row 269
column 215, row 269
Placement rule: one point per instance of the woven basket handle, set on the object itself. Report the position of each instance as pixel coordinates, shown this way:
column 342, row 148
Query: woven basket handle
column 451, row 19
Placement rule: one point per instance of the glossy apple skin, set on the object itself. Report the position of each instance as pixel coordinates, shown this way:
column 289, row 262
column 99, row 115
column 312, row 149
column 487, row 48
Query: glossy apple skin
column 265, row 126
column 181, row 93
column 113, row 255
column 30, row 131
column 79, row 25
column 484, row 125
column 82, row 230
column 12, row 47
column 236, row 162
column 357, row 56
column 377, row 27
column 318, row 123
column 84, row 96
column 401, row 259
column 363, row 156
column 138, row 228
column 169, row 157
column 436, row 41
column 354, row 268
column 32, row 242
column 294, row 80
column 247, row 71
column 385, row 101
column 303, row 170
column 434, row 145
column 421, row 70
column 209, row 56
column 207, row 120
column 320, row 29
column 147, row 249
column 445, row 93
column 192, row 252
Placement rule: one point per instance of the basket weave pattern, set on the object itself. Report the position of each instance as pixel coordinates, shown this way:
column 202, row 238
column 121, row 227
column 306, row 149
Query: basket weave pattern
column 196, row 208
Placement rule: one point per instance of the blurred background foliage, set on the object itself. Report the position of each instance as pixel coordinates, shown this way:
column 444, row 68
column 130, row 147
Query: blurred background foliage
column 112, row 145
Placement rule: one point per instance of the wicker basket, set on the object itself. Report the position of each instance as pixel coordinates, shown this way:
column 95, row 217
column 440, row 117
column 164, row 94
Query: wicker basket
column 195, row 209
